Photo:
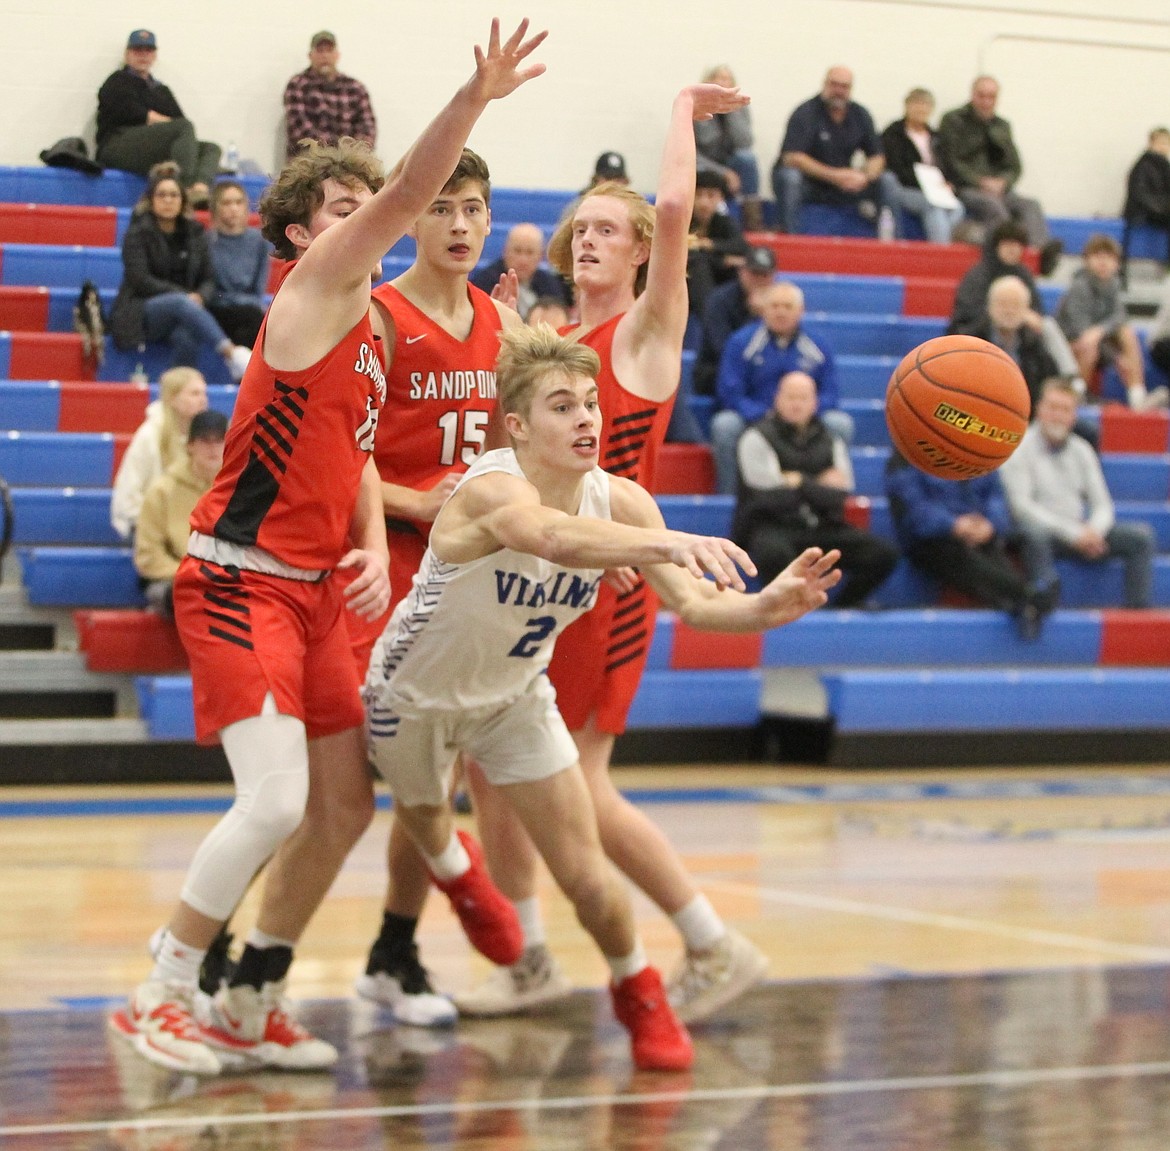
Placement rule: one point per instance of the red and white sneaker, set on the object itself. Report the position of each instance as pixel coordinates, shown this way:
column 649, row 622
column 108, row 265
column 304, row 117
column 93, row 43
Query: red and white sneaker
column 159, row 1022
column 488, row 918
column 660, row 1041
column 257, row 1027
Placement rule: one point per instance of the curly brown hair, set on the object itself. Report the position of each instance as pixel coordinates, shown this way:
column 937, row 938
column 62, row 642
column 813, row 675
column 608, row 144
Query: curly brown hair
column 296, row 194
column 560, row 247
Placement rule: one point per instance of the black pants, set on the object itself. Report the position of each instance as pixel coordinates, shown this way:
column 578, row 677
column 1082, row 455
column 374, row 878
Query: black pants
column 241, row 322
column 866, row 559
column 984, row 573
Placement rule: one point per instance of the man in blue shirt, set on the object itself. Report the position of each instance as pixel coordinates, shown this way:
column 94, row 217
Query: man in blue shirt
column 832, row 154
column 754, row 359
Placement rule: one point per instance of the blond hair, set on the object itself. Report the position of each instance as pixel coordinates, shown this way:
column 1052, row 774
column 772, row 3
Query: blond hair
column 299, row 190
column 172, row 440
column 560, row 247
column 528, row 355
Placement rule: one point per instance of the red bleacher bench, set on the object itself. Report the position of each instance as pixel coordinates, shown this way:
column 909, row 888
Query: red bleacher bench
column 58, row 224
column 1135, row 638
column 129, row 641
column 684, row 470
column 1124, row 430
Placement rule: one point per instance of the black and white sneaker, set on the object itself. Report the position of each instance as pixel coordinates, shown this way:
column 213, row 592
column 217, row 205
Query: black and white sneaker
column 398, row 980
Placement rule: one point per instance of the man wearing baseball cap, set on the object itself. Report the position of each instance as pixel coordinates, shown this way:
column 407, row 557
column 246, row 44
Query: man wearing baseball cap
column 140, row 123
column 727, row 309
column 324, row 104
column 610, row 166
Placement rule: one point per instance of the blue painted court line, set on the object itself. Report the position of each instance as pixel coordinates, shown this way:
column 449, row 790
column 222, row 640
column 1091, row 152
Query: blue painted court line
column 1084, row 787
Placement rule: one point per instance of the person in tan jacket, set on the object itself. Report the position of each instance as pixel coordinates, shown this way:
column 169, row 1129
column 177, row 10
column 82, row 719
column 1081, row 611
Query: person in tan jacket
column 160, row 541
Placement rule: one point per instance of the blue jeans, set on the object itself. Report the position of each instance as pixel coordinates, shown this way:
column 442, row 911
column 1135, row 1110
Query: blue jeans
column 1133, row 542
column 937, row 223
column 184, row 324
column 728, row 425
column 743, row 164
column 789, row 186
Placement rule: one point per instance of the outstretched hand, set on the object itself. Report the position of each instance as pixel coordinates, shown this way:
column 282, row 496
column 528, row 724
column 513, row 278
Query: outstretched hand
column 802, row 586
column 710, row 555
column 498, row 71
column 711, row 99
column 507, row 290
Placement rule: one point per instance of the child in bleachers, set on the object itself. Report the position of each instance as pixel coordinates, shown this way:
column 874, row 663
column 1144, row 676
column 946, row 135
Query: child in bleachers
column 159, row 441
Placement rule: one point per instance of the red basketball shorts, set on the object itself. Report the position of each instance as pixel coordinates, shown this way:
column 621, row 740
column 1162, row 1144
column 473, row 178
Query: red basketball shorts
column 248, row 634
column 598, row 661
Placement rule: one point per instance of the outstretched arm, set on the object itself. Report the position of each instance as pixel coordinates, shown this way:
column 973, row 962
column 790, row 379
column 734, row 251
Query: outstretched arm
column 498, row 510
column 798, row 589
column 662, row 308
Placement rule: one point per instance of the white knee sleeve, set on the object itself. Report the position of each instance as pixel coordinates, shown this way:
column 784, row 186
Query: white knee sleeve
column 269, row 758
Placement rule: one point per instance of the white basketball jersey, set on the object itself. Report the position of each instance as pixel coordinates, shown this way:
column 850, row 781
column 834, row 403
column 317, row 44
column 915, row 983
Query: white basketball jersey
column 475, row 635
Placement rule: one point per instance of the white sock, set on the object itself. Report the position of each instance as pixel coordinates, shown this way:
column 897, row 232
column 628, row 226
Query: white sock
column 262, row 940
column 531, row 921
column 624, row 966
column 699, row 924
column 176, row 962
column 1137, row 397
column 452, row 862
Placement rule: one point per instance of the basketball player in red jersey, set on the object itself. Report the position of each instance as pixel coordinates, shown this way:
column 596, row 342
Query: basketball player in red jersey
column 627, row 261
column 442, row 340
column 260, row 598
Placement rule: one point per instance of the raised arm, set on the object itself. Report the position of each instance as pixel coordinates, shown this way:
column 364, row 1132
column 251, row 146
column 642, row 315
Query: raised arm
column 662, row 309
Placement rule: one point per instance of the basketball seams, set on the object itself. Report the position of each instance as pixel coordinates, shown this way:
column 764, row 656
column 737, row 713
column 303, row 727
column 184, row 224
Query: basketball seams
column 961, row 428
column 939, row 432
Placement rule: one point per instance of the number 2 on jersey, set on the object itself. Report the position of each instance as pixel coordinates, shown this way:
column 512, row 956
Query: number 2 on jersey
column 529, row 643
column 467, row 442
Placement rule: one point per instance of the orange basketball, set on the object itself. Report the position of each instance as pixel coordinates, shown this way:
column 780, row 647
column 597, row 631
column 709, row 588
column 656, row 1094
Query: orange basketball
column 956, row 407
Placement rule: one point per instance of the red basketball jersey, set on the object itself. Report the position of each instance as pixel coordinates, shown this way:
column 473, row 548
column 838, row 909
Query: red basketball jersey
column 440, row 393
column 295, row 451
column 632, row 427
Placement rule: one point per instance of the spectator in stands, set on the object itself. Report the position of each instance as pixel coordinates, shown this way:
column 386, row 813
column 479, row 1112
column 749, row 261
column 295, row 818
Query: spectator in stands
column 724, row 145
column 1147, row 188
column 1093, row 317
column 548, row 310
column 523, row 253
column 239, row 263
column 816, row 157
column 1061, row 503
column 1003, row 255
column 324, row 104
column 156, row 444
column 729, row 307
column 754, row 359
column 1005, row 324
column 164, row 521
column 957, row 531
column 167, row 280
column 1159, row 334
column 910, row 145
column 794, row 476
column 717, row 246
column 610, row 166
column 140, row 123
column 980, row 159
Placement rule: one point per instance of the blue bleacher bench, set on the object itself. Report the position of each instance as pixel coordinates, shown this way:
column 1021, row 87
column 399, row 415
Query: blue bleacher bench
column 40, row 459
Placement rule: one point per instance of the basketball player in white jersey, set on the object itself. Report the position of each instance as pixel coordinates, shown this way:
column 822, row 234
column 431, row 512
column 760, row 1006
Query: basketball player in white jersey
column 515, row 555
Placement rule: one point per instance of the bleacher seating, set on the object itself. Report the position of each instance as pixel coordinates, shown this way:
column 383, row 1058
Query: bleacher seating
column 915, row 666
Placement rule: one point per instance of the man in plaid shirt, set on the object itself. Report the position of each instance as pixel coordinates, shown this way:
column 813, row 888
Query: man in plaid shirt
column 323, row 104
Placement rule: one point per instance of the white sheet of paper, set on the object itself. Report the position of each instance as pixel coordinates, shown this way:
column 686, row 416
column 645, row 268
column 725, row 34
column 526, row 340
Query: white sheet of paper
column 935, row 187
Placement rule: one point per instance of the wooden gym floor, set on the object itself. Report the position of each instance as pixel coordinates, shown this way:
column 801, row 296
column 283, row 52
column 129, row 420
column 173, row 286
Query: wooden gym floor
column 960, row 961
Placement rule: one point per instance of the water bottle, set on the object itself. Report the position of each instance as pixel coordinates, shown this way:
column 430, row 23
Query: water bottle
column 886, row 228
column 231, row 158
column 139, row 376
